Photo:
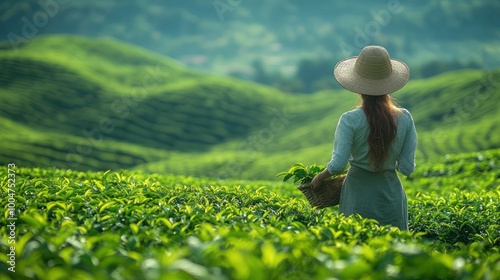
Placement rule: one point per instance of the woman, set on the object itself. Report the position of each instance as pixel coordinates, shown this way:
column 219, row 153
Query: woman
column 376, row 139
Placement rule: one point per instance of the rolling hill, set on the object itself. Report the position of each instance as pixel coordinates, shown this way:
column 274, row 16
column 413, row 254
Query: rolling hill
column 227, row 36
column 80, row 103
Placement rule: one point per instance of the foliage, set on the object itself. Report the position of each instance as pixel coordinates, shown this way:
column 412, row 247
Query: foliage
column 301, row 173
column 79, row 103
column 128, row 225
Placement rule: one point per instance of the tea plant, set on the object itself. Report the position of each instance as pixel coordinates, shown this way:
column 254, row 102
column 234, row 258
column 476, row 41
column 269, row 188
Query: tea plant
column 128, row 225
column 301, row 173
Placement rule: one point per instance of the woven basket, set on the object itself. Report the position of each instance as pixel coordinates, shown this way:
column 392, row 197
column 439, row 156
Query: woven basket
column 327, row 194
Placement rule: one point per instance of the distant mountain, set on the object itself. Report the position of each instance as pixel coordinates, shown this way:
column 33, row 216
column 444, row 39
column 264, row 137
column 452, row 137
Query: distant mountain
column 79, row 103
column 227, row 36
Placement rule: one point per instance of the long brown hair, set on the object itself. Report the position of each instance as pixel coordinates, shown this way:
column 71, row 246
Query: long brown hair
column 380, row 112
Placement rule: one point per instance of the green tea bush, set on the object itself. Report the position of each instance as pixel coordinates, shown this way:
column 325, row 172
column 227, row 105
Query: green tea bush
column 128, row 225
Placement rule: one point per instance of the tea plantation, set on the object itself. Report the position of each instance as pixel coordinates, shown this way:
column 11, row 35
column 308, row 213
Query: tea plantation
column 130, row 225
column 81, row 103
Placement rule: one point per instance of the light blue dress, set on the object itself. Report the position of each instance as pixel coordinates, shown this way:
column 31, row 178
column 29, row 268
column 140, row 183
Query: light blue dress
column 375, row 195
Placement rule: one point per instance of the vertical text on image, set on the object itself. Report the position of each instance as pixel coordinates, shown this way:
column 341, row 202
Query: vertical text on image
column 11, row 219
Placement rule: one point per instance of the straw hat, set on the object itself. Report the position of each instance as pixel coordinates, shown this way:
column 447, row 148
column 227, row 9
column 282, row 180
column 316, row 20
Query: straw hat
column 373, row 72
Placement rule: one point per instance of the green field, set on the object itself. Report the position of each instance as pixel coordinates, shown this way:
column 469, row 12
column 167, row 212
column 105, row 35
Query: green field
column 121, row 159
column 132, row 166
column 79, row 103
column 130, row 225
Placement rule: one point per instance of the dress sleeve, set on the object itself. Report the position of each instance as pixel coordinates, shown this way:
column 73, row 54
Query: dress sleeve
column 406, row 160
column 341, row 146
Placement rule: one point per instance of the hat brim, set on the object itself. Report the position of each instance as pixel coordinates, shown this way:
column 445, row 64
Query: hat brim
column 347, row 77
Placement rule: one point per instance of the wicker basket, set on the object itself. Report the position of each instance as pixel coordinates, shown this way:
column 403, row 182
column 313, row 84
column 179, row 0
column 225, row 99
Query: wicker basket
column 327, row 194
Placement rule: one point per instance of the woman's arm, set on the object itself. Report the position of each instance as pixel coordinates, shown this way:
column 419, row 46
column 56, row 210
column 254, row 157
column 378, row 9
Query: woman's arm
column 341, row 146
column 406, row 160
column 341, row 151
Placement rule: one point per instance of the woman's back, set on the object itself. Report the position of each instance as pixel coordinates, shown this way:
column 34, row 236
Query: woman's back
column 351, row 139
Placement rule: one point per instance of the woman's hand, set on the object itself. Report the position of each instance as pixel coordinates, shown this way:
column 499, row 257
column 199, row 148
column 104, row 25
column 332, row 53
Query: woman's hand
column 318, row 179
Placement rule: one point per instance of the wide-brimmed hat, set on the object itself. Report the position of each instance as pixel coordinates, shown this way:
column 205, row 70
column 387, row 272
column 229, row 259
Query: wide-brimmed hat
column 373, row 72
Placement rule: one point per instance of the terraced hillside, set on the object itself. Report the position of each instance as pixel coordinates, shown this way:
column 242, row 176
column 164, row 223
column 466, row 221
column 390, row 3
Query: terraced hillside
column 79, row 103
column 105, row 90
column 454, row 112
column 29, row 147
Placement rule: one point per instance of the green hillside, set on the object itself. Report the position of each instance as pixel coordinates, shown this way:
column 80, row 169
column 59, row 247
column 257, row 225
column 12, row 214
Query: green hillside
column 106, row 89
column 454, row 112
column 80, row 103
column 29, row 147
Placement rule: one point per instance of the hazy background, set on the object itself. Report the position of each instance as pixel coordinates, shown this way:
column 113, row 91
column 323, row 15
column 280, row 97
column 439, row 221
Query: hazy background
column 290, row 44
